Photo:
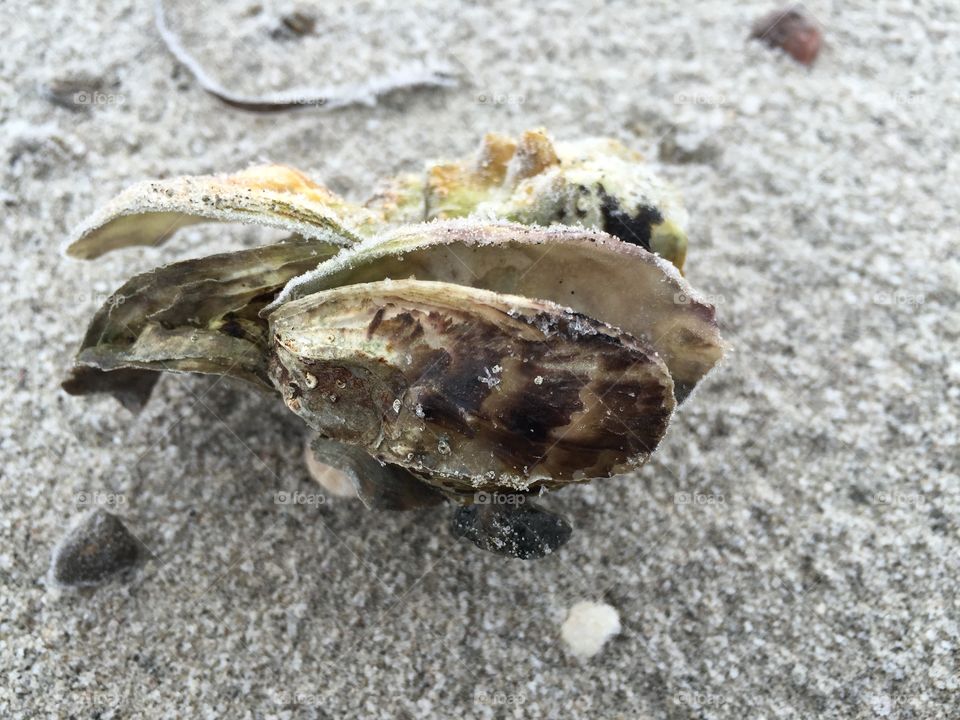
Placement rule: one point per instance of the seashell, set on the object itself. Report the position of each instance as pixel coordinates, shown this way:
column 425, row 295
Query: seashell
column 616, row 282
column 273, row 196
column 440, row 341
column 522, row 530
column 379, row 486
column 197, row 316
column 470, row 389
column 595, row 183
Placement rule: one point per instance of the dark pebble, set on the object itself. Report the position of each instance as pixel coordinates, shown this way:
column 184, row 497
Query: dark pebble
column 94, row 551
column 519, row 530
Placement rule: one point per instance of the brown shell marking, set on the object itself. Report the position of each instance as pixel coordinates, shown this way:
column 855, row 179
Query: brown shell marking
column 470, row 389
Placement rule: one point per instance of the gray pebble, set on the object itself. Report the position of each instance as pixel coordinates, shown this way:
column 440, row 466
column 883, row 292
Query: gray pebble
column 94, row 551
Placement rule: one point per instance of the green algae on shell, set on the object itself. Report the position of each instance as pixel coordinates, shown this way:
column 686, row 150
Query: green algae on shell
column 595, row 183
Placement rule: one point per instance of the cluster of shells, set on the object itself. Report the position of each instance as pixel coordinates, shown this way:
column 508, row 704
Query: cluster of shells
column 492, row 327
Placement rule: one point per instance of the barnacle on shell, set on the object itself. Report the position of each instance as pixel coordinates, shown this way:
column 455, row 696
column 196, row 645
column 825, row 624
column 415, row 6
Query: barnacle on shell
column 505, row 324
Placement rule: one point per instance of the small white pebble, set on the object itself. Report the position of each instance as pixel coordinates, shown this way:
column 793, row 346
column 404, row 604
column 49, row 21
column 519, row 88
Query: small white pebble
column 588, row 627
column 538, row 380
column 331, row 479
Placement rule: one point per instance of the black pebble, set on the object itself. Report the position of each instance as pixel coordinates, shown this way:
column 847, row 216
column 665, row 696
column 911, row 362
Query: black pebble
column 98, row 548
column 519, row 530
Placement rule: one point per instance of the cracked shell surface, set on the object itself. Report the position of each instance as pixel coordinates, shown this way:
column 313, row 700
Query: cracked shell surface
column 468, row 388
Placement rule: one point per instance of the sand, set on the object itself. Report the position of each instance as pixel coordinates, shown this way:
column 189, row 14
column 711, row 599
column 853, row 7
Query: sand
column 793, row 549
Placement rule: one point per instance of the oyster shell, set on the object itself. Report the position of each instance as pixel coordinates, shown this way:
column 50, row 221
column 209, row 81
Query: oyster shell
column 273, row 196
column 440, row 341
column 596, row 183
column 470, row 389
column 593, row 273
column 192, row 316
column 379, row 486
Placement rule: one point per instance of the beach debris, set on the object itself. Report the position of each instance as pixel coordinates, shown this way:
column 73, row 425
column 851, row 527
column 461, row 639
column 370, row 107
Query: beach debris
column 295, row 24
column 330, row 97
column 332, row 479
column 588, row 627
column 792, row 30
column 512, row 527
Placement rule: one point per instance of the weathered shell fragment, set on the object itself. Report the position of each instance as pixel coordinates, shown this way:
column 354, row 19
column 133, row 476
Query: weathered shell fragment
column 599, row 276
column 521, row 529
column 470, row 389
column 273, row 196
column 192, row 316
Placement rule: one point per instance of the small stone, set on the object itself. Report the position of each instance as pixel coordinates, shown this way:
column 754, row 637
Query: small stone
column 334, row 480
column 95, row 550
column 588, row 627
column 791, row 30
column 510, row 525
column 293, row 25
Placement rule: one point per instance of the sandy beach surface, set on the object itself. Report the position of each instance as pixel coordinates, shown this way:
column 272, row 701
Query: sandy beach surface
column 792, row 550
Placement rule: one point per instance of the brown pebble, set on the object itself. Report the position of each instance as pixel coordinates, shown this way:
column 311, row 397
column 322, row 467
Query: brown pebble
column 792, row 31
